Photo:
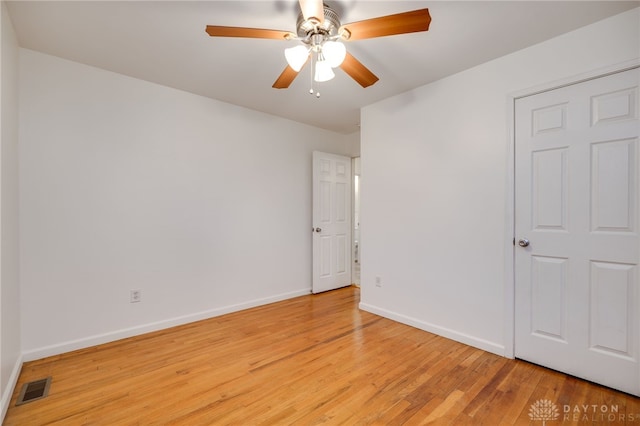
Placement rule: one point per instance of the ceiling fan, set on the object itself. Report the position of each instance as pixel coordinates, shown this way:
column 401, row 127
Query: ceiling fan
column 321, row 34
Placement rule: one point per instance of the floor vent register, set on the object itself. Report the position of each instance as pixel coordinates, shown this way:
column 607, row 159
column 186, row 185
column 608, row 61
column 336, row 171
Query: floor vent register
column 34, row 391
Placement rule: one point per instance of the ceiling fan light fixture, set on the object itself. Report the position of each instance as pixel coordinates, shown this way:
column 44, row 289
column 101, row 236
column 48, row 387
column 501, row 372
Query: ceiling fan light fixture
column 323, row 71
column 319, row 25
column 334, row 53
column 296, row 56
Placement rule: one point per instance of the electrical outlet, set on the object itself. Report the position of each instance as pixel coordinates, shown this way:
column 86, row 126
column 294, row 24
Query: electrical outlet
column 136, row 296
column 378, row 282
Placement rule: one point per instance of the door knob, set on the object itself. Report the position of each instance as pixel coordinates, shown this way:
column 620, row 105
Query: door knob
column 318, row 229
column 523, row 242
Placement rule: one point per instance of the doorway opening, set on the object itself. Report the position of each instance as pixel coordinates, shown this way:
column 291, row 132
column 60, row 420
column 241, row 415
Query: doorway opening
column 356, row 245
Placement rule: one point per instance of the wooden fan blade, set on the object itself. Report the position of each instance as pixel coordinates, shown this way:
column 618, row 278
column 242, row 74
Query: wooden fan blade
column 218, row 31
column 312, row 9
column 357, row 71
column 286, row 78
column 400, row 23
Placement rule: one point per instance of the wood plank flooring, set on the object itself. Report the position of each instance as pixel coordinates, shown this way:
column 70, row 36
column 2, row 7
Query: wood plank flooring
column 311, row 360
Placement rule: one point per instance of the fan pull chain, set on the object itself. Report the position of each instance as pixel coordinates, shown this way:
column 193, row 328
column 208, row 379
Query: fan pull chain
column 311, row 80
column 311, row 75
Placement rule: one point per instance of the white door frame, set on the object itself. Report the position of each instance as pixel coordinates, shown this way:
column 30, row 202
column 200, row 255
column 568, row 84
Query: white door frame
column 509, row 273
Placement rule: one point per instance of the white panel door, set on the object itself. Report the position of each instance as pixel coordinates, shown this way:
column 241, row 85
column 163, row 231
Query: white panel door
column 577, row 191
column 331, row 221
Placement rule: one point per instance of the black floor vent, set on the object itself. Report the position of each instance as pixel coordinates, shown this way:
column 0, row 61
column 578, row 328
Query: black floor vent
column 33, row 391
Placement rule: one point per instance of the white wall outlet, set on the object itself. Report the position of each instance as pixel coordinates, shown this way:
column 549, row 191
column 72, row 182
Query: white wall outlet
column 378, row 282
column 136, row 296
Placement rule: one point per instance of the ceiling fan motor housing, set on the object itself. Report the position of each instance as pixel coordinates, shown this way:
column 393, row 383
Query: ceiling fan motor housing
column 328, row 28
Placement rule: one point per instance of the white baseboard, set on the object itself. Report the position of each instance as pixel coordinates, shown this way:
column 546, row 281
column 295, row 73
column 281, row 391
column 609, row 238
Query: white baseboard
column 99, row 339
column 485, row 345
column 7, row 392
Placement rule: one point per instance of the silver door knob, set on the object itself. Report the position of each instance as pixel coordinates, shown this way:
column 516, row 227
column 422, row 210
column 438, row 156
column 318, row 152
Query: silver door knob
column 523, row 242
column 318, row 229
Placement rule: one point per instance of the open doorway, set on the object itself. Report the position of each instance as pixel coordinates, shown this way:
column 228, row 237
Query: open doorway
column 356, row 245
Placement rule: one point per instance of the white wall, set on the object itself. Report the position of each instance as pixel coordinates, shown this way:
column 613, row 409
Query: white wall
column 435, row 161
column 10, row 350
column 203, row 206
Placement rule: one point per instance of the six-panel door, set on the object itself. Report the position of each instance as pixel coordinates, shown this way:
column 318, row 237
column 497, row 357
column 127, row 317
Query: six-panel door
column 577, row 192
column 331, row 221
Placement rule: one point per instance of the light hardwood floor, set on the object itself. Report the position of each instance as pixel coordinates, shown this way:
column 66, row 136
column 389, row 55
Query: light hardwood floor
column 310, row 360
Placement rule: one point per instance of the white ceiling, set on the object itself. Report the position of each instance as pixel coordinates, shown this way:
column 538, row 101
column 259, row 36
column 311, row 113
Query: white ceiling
column 165, row 42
